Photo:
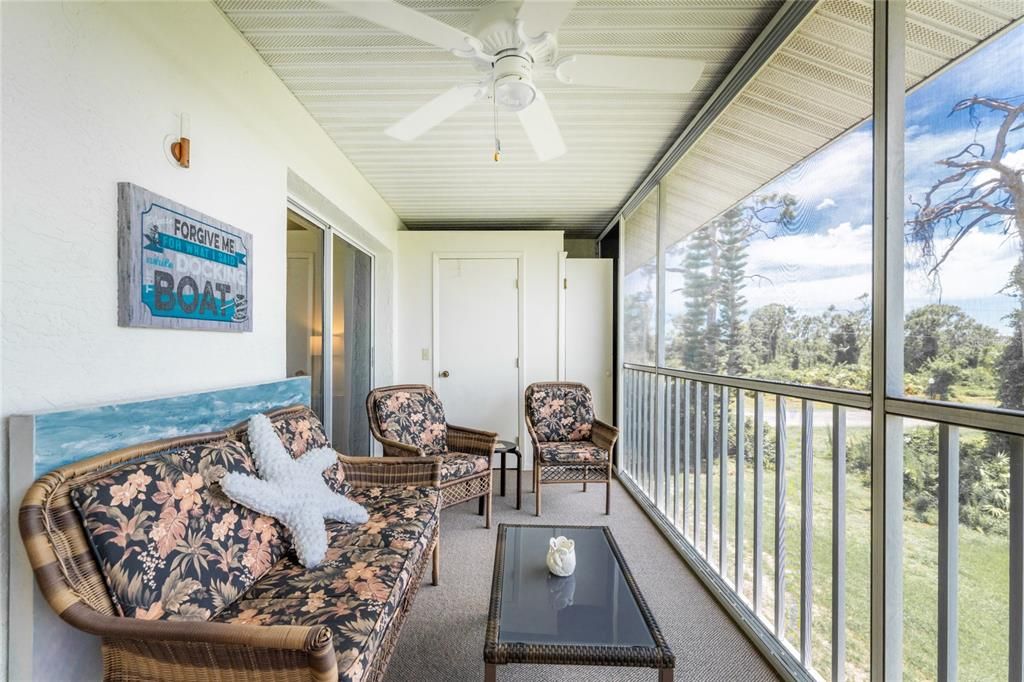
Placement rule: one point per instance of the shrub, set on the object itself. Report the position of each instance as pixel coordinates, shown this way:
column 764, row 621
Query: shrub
column 984, row 479
column 984, row 476
column 767, row 432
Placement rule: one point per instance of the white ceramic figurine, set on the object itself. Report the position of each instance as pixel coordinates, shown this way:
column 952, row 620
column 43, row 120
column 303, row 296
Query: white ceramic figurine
column 562, row 556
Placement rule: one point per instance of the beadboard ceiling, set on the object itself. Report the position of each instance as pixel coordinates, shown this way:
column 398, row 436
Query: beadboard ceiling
column 356, row 79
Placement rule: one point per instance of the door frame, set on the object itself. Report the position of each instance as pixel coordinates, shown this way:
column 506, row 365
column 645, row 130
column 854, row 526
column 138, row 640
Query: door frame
column 310, row 259
column 327, row 298
column 435, row 317
column 562, row 285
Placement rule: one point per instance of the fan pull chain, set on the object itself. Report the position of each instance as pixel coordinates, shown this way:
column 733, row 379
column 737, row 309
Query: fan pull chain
column 497, row 139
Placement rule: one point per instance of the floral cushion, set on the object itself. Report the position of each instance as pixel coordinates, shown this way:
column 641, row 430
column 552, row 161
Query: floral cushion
column 456, row 465
column 414, row 418
column 171, row 545
column 574, row 452
column 399, row 516
column 359, row 587
column 562, row 412
column 300, row 432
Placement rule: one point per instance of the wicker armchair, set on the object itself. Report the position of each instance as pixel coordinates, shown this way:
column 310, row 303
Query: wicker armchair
column 136, row 649
column 569, row 444
column 409, row 420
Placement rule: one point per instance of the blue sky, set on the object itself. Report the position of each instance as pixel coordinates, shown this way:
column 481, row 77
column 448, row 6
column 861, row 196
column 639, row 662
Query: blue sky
column 828, row 260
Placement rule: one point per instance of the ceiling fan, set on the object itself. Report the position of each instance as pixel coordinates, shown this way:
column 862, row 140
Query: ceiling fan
column 510, row 42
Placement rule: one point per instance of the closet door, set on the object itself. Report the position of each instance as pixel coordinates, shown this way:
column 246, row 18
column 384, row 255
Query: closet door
column 478, row 343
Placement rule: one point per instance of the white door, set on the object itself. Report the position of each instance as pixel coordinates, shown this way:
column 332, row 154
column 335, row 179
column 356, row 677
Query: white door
column 477, row 375
column 588, row 329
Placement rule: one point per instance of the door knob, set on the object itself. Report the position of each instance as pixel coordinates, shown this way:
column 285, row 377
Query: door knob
column 444, row 374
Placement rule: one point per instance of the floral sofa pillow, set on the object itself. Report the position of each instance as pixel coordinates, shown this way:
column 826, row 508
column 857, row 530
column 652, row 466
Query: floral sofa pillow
column 414, row 418
column 301, row 432
column 170, row 544
column 560, row 412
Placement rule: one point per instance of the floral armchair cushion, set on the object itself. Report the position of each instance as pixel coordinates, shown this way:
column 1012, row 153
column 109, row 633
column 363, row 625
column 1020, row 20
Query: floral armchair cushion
column 170, row 544
column 560, row 412
column 571, row 452
column 456, row 465
column 413, row 417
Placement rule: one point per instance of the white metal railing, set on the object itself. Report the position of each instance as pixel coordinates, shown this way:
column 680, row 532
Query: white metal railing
column 677, row 455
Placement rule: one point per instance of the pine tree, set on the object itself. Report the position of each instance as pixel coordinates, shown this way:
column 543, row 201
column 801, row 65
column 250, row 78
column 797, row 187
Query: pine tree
column 733, row 241
column 698, row 294
column 640, row 311
column 714, row 273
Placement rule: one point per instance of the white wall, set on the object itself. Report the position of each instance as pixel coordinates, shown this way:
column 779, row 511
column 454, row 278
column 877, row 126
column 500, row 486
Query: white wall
column 90, row 91
column 540, row 290
column 589, row 329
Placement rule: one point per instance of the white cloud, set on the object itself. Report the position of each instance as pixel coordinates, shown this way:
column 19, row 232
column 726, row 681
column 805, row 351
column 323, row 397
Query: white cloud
column 1014, row 160
column 827, row 202
column 923, row 151
column 812, row 271
column 811, row 296
column 807, row 271
column 973, row 276
column 842, row 246
column 843, row 165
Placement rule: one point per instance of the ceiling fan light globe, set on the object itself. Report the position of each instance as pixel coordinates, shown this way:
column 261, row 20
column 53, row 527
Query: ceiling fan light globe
column 514, row 93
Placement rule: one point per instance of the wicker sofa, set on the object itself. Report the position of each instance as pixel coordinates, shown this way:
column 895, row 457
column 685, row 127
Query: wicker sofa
column 338, row 621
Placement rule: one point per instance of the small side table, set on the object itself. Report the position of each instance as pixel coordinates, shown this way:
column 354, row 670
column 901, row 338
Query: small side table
column 504, row 448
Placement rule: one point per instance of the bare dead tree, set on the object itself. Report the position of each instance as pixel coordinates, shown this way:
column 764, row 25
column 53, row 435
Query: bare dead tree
column 980, row 191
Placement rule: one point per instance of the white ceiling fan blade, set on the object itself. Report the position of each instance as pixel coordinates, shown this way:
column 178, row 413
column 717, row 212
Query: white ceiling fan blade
column 539, row 16
column 400, row 18
column 542, row 129
column 656, row 74
column 435, row 111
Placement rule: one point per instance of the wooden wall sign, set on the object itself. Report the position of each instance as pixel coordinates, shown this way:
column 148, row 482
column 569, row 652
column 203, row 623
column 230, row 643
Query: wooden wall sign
column 178, row 268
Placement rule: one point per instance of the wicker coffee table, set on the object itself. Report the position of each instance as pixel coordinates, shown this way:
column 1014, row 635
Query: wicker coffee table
column 596, row 616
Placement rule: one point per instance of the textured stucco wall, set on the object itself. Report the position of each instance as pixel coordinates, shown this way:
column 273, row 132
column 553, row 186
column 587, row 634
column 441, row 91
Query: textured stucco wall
column 90, row 92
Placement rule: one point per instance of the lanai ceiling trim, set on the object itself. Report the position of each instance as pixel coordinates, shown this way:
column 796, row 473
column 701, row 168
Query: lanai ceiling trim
column 356, row 79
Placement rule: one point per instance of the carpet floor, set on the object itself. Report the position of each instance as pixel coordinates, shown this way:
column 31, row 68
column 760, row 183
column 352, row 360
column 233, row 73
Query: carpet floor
column 443, row 636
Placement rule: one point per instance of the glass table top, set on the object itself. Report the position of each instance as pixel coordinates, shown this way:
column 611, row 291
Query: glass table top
column 593, row 607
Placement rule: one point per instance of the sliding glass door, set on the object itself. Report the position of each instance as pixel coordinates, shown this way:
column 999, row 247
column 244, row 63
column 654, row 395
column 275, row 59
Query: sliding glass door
column 351, row 353
column 329, row 328
column 304, row 317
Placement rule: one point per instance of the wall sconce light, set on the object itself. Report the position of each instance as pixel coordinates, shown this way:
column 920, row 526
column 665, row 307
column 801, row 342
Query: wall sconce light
column 316, row 344
column 180, row 150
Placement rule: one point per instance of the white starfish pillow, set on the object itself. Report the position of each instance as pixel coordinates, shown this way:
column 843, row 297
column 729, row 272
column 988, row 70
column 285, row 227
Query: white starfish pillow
column 293, row 491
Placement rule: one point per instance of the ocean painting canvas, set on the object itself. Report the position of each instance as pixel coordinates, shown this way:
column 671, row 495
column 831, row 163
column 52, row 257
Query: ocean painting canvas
column 71, row 435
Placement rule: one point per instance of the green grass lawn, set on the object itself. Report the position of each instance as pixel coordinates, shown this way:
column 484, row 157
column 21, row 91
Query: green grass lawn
column 983, row 576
